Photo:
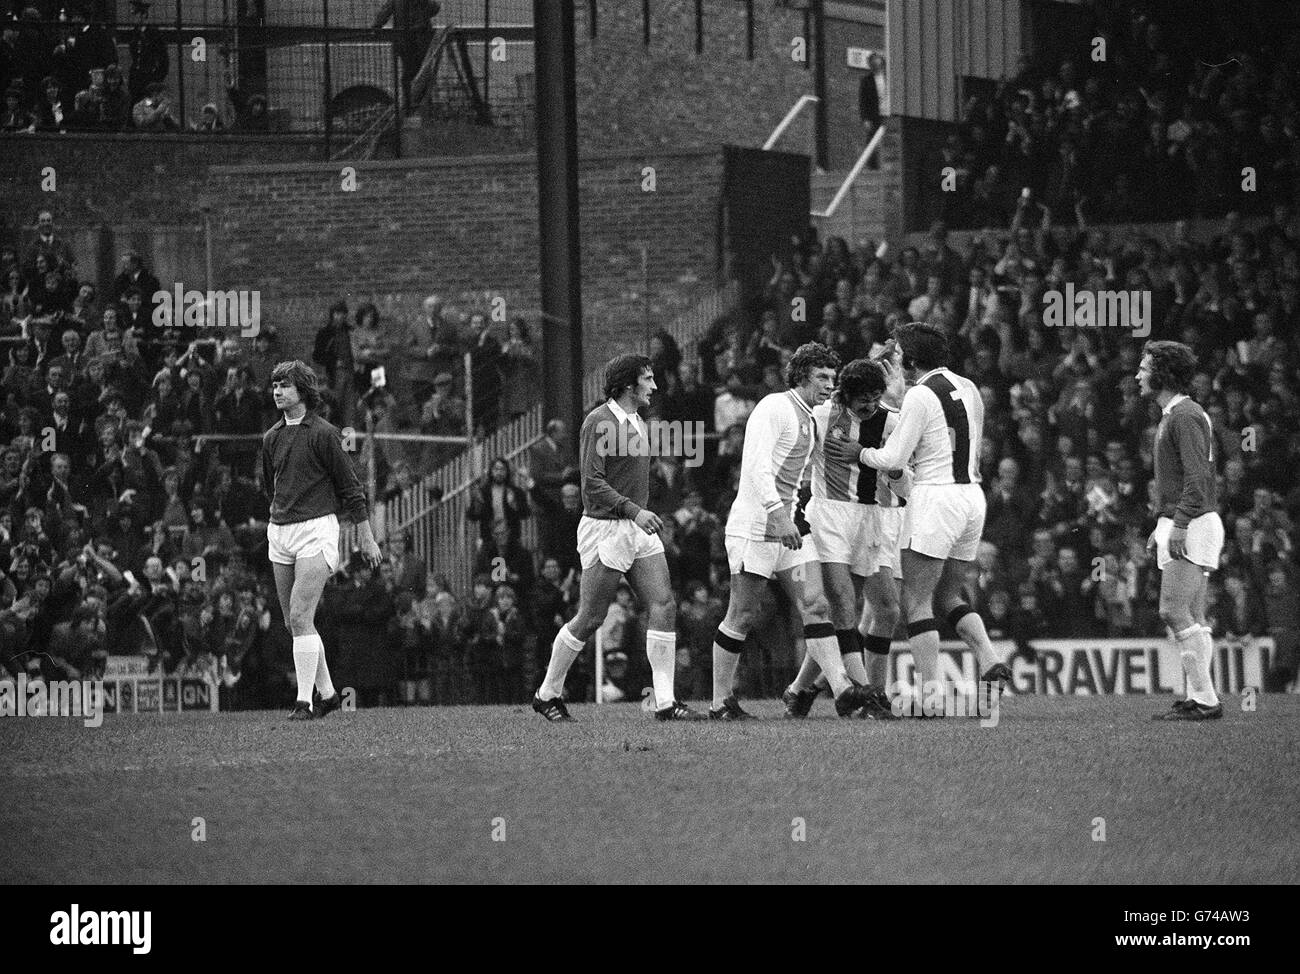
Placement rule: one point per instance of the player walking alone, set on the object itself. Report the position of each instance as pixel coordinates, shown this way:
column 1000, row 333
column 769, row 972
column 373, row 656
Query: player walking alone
column 308, row 478
column 618, row 535
column 1189, row 533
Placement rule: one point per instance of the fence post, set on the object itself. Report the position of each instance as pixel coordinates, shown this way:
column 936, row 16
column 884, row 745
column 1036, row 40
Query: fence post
column 469, row 396
column 325, row 102
column 180, row 65
column 487, row 49
column 399, row 117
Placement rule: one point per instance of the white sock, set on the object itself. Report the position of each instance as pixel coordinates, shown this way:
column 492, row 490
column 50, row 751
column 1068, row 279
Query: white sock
column 856, row 668
column 725, row 664
column 1204, row 645
column 564, row 651
column 825, row 651
column 925, row 658
column 323, row 682
column 1189, row 650
column 305, row 657
column 808, row 673
column 661, row 650
column 970, row 628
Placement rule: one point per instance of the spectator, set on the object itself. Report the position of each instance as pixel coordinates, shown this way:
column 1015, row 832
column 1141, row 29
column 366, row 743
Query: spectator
column 485, row 363
column 148, row 51
column 153, row 111
column 498, row 501
column 521, row 374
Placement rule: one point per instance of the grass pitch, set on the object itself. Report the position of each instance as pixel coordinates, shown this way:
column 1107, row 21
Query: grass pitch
column 416, row 795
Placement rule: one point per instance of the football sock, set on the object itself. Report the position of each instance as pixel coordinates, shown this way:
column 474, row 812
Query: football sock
column 564, row 650
column 923, row 640
column 726, row 659
column 323, row 682
column 809, row 675
column 970, row 627
column 824, row 649
column 877, row 659
column 305, row 657
column 661, row 649
column 1187, row 642
column 1204, row 643
column 851, row 652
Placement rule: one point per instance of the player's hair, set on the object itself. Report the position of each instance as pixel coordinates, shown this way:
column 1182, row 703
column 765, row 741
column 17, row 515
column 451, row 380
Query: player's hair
column 860, row 378
column 925, row 347
column 623, row 371
column 302, row 378
column 808, row 357
column 1172, row 365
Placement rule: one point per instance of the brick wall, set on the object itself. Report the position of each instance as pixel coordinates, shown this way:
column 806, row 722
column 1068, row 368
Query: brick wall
column 122, row 178
column 631, row 96
column 457, row 226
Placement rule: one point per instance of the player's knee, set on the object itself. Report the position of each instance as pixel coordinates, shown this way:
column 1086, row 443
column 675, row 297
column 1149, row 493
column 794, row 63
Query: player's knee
column 815, row 608
column 740, row 621
column 1176, row 617
column 301, row 622
column 662, row 614
column 583, row 627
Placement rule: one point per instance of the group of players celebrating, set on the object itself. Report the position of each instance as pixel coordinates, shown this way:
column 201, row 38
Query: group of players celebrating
column 894, row 520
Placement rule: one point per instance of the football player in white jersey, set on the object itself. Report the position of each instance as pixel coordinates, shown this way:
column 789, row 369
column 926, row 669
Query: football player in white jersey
column 763, row 540
column 939, row 429
column 843, row 513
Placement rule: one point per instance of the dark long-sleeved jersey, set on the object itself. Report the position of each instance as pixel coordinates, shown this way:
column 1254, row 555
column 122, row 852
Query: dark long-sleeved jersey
column 614, row 458
column 306, row 473
column 1185, row 482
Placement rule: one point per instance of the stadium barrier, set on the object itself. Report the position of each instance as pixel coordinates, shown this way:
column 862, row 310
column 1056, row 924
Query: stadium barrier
column 1098, row 667
column 130, row 689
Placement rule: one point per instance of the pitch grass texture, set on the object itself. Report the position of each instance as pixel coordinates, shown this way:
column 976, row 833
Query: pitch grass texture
column 410, row 795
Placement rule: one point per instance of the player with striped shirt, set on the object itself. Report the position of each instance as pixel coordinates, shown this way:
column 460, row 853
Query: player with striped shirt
column 940, row 425
column 1188, row 537
column 618, row 535
column 846, row 513
column 763, row 541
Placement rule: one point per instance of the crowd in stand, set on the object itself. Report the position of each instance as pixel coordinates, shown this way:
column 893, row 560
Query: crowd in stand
column 1161, row 127
column 60, row 72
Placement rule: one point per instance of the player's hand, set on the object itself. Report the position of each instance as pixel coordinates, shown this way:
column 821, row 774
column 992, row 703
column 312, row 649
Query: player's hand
column 371, row 553
column 841, row 450
column 648, row 521
column 1151, row 541
column 1178, row 543
column 784, row 529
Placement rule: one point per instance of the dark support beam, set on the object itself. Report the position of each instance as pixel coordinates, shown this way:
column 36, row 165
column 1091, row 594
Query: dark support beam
column 819, row 84
column 749, row 29
column 557, row 209
column 645, row 22
column 699, row 26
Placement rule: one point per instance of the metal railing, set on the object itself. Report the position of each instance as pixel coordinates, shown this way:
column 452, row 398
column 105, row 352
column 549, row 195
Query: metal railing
column 433, row 511
column 790, row 116
column 853, row 173
column 322, row 65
